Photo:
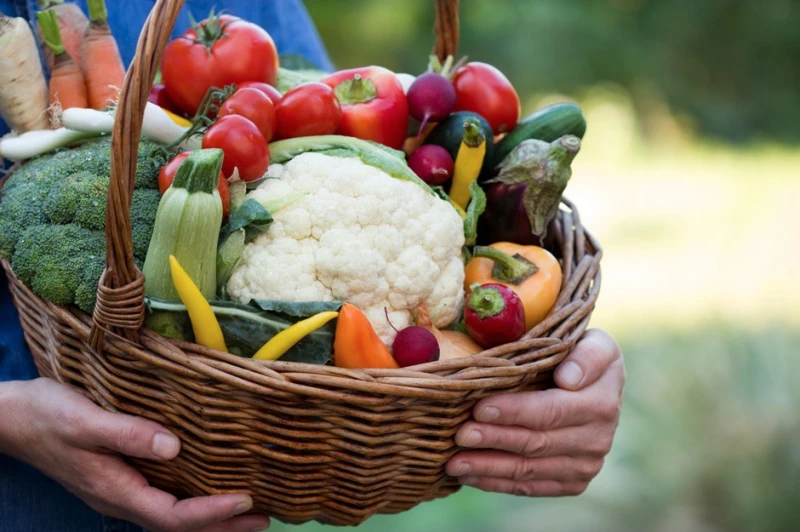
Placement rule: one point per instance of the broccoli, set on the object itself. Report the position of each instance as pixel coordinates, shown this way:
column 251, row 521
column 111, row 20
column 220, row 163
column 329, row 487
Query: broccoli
column 58, row 261
column 79, row 198
column 52, row 218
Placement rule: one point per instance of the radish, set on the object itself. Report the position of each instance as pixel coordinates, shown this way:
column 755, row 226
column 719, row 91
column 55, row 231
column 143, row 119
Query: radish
column 413, row 345
column 431, row 97
column 432, row 164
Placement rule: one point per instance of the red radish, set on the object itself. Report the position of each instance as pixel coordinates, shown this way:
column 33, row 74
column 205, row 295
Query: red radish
column 431, row 97
column 494, row 315
column 432, row 164
column 159, row 96
column 414, row 345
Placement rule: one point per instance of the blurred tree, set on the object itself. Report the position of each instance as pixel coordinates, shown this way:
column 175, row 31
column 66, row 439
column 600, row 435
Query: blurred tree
column 728, row 66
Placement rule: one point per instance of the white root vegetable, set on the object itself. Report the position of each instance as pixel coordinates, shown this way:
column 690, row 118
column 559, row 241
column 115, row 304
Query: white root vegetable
column 157, row 124
column 23, row 91
column 35, row 143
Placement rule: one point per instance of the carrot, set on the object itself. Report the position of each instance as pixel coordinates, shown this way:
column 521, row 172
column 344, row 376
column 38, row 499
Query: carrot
column 71, row 22
column 100, row 60
column 23, row 91
column 67, row 86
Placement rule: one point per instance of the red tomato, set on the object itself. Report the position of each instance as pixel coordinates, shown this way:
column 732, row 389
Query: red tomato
column 218, row 52
column 253, row 105
column 266, row 88
column 167, row 175
column 483, row 89
column 308, row 109
column 244, row 146
column 374, row 106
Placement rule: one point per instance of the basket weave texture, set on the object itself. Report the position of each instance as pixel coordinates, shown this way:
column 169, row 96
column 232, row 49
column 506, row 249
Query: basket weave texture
column 308, row 442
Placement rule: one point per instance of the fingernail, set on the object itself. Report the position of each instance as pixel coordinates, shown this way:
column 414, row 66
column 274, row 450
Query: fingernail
column 461, row 469
column 488, row 414
column 571, row 373
column 468, row 481
column 242, row 506
column 165, row 445
column 473, row 438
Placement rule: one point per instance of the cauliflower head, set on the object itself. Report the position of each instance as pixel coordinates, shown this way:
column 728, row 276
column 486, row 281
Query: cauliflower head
column 357, row 235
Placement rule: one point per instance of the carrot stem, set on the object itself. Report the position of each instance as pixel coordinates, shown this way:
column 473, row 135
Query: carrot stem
column 51, row 32
column 97, row 11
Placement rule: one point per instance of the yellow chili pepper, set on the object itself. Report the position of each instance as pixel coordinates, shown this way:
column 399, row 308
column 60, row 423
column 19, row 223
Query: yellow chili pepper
column 279, row 344
column 207, row 331
column 468, row 162
column 177, row 119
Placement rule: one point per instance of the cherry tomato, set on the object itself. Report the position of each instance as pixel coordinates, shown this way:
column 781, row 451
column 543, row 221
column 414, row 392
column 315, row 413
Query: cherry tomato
column 308, row 109
column 483, row 89
column 218, row 52
column 255, row 106
column 244, row 146
column 266, row 88
column 167, row 175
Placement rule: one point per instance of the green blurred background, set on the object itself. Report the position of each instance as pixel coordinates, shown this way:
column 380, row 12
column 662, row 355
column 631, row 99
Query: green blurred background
column 690, row 178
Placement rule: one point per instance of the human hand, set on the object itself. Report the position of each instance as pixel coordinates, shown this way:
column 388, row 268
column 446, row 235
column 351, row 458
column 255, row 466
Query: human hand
column 547, row 443
column 67, row 437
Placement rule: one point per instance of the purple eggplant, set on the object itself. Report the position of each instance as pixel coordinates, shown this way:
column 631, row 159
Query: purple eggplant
column 524, row 196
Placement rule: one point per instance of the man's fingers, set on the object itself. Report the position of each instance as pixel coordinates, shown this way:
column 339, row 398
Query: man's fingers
column 542, row 410
column 132, row 436
column 506, row 465
column 591, row 440
column 526, row 488
column 161, row 511
column 588, row 361
column 245, row 523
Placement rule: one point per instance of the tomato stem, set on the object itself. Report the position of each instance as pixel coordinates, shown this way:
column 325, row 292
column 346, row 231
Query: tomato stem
column 512, row 270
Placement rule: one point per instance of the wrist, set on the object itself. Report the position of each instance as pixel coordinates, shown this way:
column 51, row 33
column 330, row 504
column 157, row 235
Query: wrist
column 10, row 397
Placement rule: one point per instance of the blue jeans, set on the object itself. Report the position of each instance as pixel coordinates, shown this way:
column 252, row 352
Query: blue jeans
column 29, row 501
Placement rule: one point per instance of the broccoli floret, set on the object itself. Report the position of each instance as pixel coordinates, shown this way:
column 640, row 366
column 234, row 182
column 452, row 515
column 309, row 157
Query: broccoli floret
column 59, row 262
column 144, row 205
column 21, row 206
column 80, row 198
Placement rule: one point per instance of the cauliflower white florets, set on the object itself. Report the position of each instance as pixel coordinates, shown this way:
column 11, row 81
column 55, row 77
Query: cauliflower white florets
column 357, row 235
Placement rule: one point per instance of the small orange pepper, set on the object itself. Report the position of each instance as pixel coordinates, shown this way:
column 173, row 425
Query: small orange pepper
column 356, row 344
column 530, row 271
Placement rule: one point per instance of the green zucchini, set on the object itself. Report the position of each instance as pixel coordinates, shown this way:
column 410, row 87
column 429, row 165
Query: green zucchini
column 449, row 132
column 547, row 124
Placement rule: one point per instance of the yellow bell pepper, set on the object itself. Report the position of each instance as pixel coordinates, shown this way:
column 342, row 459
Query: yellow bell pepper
column 207, row 331
column 469, row 160
column 279, row 344
column 179, row 120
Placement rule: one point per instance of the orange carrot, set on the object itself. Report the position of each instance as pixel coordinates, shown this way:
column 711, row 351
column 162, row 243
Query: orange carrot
column 67, row 86
column 71, row 22
column 100, row 60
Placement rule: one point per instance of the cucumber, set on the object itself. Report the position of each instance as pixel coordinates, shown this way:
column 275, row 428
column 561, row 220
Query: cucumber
column 449, row 132
column 547, row 124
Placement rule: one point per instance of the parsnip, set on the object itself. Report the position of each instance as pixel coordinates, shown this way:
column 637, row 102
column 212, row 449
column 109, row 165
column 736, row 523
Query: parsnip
column 23, row 91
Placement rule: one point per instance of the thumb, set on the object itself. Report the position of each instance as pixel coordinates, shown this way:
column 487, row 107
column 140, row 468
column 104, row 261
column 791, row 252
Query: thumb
column 132, row 436
column 588, row 361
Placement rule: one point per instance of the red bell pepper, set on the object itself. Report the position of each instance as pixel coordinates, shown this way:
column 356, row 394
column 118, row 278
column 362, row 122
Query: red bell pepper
column 374, row 106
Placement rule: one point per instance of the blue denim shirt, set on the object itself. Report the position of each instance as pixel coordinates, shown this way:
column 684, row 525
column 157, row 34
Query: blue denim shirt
column 28, row 500
column 286, row 21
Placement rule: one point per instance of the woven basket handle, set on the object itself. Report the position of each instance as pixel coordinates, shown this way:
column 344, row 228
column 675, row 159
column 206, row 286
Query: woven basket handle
column 120, row 295
column 446, row 29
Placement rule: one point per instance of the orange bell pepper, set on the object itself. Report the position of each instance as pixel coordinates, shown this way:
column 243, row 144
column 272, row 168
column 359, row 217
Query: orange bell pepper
column 530, row 271
column 356, row 344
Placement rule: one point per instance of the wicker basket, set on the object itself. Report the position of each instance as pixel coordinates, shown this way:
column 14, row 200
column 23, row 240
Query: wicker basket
column 308, row 442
